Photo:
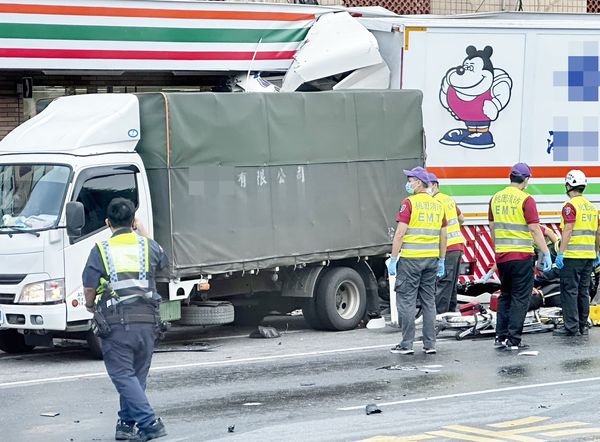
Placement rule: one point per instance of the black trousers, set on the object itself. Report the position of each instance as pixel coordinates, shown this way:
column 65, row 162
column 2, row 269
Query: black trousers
column 575, row 278
column 516, row 280
column 445, row 295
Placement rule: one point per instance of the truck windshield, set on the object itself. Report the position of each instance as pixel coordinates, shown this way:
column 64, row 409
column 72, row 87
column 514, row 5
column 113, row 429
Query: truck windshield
column 31, row 195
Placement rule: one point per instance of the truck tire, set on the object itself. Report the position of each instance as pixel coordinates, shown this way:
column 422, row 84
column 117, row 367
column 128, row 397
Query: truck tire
column 341, row 299
column 207, row 313
column 11, row 341
column 311, row 316
column 94, row 344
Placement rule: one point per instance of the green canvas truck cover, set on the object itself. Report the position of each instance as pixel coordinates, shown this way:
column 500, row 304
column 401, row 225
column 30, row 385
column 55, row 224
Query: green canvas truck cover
column 243, row 181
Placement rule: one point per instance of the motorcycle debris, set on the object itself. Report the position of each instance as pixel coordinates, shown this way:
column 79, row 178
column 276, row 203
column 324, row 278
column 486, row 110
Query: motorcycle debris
column 529, row 353
column 372, row 409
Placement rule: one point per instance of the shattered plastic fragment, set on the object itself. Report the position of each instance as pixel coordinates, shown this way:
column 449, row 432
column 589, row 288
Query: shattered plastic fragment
column 50, row 414
column 231, row 428
column 265, row 332
column 372, row 409
column 398, row 367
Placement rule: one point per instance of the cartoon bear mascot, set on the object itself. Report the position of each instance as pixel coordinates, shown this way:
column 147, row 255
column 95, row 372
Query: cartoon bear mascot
column 474, row 93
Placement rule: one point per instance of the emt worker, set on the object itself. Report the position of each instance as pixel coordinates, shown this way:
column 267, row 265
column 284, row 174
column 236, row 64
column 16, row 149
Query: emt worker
column 120, row 289
column 418, row 252
column 445, row 298
column 577, row 255
column 514, row 223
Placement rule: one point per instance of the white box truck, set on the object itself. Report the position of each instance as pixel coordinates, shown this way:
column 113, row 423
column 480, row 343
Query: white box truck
column 263, row 202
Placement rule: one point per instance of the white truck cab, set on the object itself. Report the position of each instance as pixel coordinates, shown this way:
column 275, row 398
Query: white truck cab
column 42, row 173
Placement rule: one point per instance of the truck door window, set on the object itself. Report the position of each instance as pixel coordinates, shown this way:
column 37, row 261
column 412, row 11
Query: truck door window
column 97, row 192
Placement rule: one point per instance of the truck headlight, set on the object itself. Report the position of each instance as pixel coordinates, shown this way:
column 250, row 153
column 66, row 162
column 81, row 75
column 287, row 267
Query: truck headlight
column 41, row 292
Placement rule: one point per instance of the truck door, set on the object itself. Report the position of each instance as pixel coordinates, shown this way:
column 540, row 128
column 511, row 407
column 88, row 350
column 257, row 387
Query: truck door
column 95, row 187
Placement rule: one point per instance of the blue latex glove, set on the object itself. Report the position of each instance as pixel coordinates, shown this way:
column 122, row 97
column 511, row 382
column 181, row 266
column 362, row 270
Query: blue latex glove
column 558, row 261
column 441, row 270
column 392, row 265
column 596, row 262
column 488, row 276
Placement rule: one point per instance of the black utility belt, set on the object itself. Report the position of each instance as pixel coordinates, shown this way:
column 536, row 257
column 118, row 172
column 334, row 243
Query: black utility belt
column 132, row 318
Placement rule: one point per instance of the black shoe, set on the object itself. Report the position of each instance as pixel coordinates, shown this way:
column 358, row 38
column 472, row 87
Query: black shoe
column 585, row 331
column 510, row 346
column 564, row 332
column 499, row 343
column 125, row 430
column 402, row 351
column 153, row 431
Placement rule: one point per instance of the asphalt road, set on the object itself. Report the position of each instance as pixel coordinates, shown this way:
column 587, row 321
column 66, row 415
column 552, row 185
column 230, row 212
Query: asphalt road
column 313, row 386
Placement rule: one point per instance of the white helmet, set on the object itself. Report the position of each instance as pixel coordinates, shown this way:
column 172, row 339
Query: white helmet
column 576, row 178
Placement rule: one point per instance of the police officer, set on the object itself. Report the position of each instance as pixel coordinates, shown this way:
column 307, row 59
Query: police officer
column 119, row 284
column 576, row 255
column 514, row 223
column 445, row 298
column 418, row 252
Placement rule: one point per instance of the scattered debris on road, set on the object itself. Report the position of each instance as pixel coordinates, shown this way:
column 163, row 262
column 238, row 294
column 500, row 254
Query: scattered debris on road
column 231, row 428
column 50, row 414
column 252, row 404
column 529, row 353
column 265, row 332
column 372, row 409
column 193, row 347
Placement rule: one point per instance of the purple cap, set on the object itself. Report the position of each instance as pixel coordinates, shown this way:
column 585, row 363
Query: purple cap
column 521, row 169
column 418, row 173
column 433, row 178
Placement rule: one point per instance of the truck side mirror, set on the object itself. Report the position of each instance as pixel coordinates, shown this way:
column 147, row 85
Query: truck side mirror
column 75, row 219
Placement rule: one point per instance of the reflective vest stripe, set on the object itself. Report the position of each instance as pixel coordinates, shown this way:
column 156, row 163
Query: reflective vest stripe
column 583, row 232
column 129, row 283
column 513, row 242
column 452, row 235
column 511, row 226
column 112, row 272
column 413, row 246
column 452, row 222
column 426, row 232
column 582, row 247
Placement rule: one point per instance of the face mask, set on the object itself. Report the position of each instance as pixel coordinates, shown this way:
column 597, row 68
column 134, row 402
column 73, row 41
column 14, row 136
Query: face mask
column 409, row 188
column 430, row 191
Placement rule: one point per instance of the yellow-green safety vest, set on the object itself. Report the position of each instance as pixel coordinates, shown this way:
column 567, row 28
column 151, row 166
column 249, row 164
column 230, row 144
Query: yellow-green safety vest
column 453, row 226
column 127, row 262
column 582, row 244
column 511, row 231
column 422, row 238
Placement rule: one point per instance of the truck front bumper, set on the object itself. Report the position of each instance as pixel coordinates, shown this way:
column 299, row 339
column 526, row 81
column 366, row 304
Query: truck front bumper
column 33, row 317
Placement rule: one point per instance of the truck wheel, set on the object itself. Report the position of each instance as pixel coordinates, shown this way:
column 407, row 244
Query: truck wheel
column 341, row 299
column 207, row 313
column 11, row 341
column 94, row 344
column 309, row 311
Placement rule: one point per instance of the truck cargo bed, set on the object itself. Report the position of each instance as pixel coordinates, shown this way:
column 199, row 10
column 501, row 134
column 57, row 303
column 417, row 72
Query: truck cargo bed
column 243, row 181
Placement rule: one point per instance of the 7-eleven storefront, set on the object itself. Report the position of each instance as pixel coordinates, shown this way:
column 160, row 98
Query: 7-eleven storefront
column 52, row 48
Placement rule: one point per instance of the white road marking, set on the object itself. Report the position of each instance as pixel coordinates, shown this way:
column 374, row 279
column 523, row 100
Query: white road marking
column 475, row 393
column 198, row 364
